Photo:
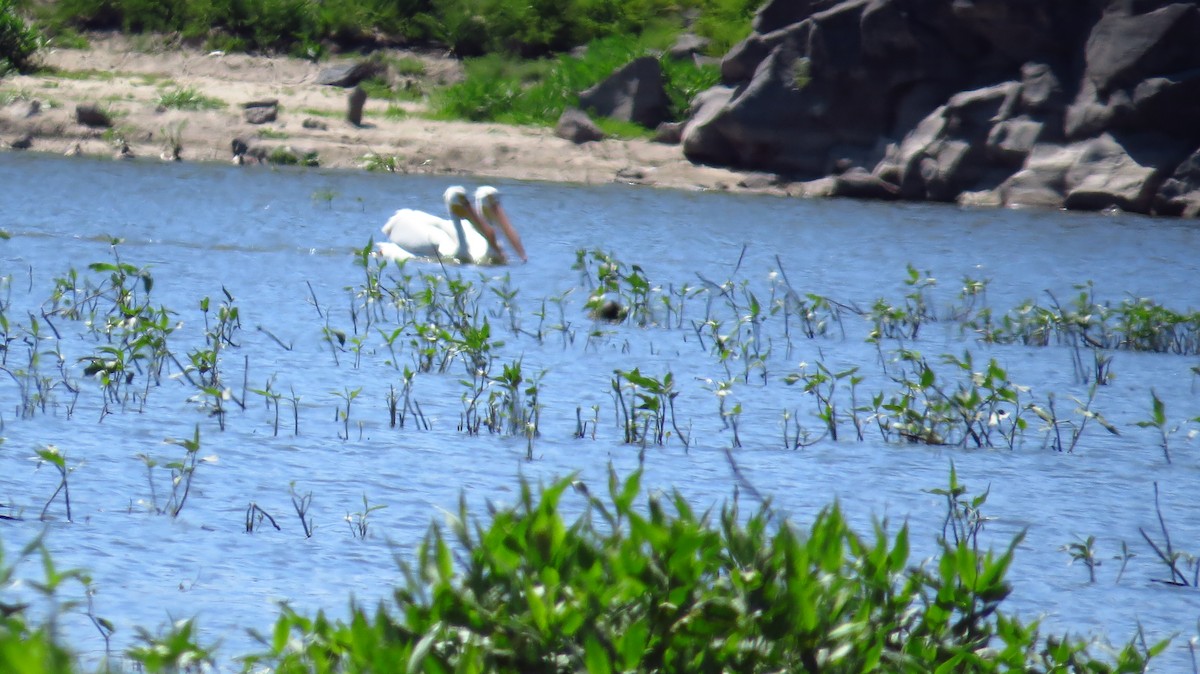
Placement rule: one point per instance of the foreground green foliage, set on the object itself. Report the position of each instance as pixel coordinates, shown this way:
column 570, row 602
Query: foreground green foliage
column 661, row 588
column 633, row 587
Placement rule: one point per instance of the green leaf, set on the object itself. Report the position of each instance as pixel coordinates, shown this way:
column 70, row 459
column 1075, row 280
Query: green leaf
column 596, row 657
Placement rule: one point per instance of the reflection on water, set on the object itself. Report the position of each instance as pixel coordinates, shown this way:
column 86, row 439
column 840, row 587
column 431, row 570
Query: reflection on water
column 283, row 244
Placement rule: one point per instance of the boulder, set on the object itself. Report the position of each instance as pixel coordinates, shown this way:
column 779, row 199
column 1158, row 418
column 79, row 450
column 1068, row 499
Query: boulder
column 1011, row 140
column 1094, row 174
column 575, row 126
column 1142, row 72
column 669, row 133
column 1084, row 104
column 1115, row 173
column 858, row 183
column 1125, row 49
column 260, row 112
column 776, row 14
column 1180, row 194
column 701, row 140
column 1040, row 183
column 687, row 46
column 349, row 75
column 634, row 93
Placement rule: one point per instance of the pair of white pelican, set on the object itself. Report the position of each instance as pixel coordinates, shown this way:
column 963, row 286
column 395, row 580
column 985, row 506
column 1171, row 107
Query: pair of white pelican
column 468, row 237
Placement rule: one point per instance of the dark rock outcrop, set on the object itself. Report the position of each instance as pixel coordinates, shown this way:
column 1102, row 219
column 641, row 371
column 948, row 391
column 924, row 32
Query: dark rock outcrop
column 1090, row 104
column 634, row 93
column 1180, row 194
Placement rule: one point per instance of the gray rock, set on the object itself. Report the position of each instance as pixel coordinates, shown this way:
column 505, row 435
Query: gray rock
column 1106, row 174
column 701, row 139
column 349, row 75
column 776, row 14
column 687, row 45
column 1023, row 102
column 575, row 126
column 260, row 112
column 634, row 93
column 858, row 183
column 1124, row 49
column 669, row 133
column 1040, row 182
column 1180, row 194
column 1010, row 141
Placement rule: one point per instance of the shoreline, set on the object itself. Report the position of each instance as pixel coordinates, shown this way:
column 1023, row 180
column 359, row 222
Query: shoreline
column 127, row 80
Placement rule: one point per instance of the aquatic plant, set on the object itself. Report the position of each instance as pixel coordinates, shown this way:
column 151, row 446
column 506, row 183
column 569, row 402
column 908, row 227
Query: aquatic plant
column 182, row 472
column 301, row 504
column 359, row 522
column 347, row 396
column 53, row 455
column 822, row 385
column 174, row 648
column 402, row 405
column 1083, row 550
column 255, row 516
column 1054, row 424
column 904, row 321
column 644, row 406
column 29, row 641
column 1183, row 567
column 1158, row 420
column 272, row 398
column 658, row 587
column 612, row 283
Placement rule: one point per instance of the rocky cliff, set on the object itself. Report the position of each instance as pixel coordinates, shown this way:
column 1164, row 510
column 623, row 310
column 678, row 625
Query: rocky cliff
column 1082, row 104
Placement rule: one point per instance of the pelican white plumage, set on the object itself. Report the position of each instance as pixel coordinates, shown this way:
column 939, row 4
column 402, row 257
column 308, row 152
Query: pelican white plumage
column 467, row 237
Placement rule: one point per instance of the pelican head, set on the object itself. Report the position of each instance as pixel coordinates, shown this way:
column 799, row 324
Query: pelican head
column 459, row 207
column 487, row 203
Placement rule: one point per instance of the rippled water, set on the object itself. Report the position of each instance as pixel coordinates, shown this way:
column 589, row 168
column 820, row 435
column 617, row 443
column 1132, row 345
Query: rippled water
column 282, row 244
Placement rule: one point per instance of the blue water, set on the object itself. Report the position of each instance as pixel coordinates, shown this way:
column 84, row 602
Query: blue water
column 283, row 245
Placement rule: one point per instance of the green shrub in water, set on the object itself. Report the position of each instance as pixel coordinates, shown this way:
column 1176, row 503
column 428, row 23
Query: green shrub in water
column 657, row 587
column 635, row 587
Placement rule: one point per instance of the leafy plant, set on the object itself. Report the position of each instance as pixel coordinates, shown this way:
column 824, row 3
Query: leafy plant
column 19, row 42
column 658, row 587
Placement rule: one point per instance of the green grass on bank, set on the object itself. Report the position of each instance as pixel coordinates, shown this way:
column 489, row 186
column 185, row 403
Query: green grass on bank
column 499, row 89
column 634, row 585
column 520, row 67
column 523, row 28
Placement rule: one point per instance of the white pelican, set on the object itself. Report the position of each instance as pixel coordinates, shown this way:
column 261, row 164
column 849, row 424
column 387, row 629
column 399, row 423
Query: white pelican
column 487, row 203
column 413, row 233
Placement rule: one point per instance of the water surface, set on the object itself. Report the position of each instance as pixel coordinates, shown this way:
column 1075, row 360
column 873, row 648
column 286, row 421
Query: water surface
column 283, row 245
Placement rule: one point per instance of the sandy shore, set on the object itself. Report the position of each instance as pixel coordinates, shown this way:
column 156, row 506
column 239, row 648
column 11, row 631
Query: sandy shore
column 127, row 78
